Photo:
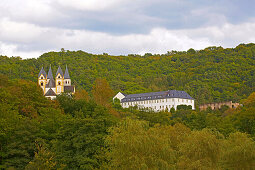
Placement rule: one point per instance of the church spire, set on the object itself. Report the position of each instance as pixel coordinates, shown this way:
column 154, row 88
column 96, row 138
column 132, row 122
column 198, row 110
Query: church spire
column 59, row 71
column 42, row 72
column 50, row 76
column 66, row 75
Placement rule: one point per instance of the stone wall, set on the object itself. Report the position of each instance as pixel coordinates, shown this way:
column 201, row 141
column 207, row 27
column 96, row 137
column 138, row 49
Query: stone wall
column 216, row 106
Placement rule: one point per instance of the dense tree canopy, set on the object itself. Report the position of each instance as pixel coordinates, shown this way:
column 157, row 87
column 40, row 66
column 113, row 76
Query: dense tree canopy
column 89, row 131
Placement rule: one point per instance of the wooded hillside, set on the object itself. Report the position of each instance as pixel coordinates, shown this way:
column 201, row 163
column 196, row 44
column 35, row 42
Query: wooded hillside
column 210, row 75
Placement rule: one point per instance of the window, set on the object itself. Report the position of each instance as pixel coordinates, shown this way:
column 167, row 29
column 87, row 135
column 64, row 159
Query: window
column 59, row 77
column 41, row 84
column 59, row 83
column 42, row 77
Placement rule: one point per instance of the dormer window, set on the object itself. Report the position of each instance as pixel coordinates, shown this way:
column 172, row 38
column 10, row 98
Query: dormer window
column 41, row 84
column 42, row 77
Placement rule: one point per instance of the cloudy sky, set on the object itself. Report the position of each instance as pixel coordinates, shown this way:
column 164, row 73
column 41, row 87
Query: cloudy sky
column 28, row 28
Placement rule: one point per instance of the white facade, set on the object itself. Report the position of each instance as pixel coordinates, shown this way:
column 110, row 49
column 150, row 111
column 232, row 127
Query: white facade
column 160, row 104
column 157, row 101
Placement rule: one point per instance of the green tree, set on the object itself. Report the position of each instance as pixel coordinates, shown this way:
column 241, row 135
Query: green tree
column 102, row 92
column 238, row 152
column 43, row 159
column 134, row 145
column 200, row 150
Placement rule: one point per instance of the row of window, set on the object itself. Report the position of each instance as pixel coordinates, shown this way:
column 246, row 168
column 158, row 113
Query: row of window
column 160, row 107
column 156, row 101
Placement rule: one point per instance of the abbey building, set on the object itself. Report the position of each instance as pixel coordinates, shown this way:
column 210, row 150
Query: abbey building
column 156, row 101
column 53, row 87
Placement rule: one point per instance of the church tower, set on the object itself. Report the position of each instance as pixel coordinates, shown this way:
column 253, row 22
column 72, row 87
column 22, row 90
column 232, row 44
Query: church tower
column 67, row 79
column 42, row 79
column 59, row 81
column 49, row 76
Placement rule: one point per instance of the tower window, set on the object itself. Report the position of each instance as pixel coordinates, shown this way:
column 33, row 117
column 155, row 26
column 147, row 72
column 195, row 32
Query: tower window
column 59, row 83
column 59, row 77
column 41, row 84
column 42, row 77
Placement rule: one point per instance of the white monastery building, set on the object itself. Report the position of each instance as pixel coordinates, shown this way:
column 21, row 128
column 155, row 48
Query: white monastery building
column 156, row 101
column 53, row 87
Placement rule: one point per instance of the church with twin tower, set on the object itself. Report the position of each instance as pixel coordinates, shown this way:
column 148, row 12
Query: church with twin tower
column 53, row 87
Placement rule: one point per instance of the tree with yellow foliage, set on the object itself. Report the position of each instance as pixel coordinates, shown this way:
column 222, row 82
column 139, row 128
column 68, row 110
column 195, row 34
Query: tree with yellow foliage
column 102, row 92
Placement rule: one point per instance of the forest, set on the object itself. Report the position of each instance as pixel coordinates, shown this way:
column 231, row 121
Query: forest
column 89, row 131
column 210, row 75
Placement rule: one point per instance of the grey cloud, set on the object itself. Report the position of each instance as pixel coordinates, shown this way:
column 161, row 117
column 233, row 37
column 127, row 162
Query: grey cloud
column 123, row 26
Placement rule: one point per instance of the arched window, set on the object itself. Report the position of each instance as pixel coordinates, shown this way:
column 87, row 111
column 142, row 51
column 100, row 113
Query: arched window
column 59, row 77
column 59, row 83
column 41, row 83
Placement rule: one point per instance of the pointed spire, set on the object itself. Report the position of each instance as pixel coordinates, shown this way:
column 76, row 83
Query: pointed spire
column 66, row 75
column 59, row 71
column 42, row 72
column 50, row 73
column 51, row 84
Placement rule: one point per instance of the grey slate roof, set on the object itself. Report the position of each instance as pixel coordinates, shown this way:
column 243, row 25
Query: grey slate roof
column 50, row 76
column 157, row 95
column 50, row 92
column 51, row 83
column 42, row 72
column 59, row 71
column 66, row 75
column 69, row 89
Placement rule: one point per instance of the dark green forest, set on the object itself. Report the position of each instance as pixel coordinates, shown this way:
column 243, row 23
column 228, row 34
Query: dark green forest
column 89, row 131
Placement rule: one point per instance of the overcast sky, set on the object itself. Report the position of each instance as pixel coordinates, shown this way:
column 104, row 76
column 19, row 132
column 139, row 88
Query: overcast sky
column 28, row 28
